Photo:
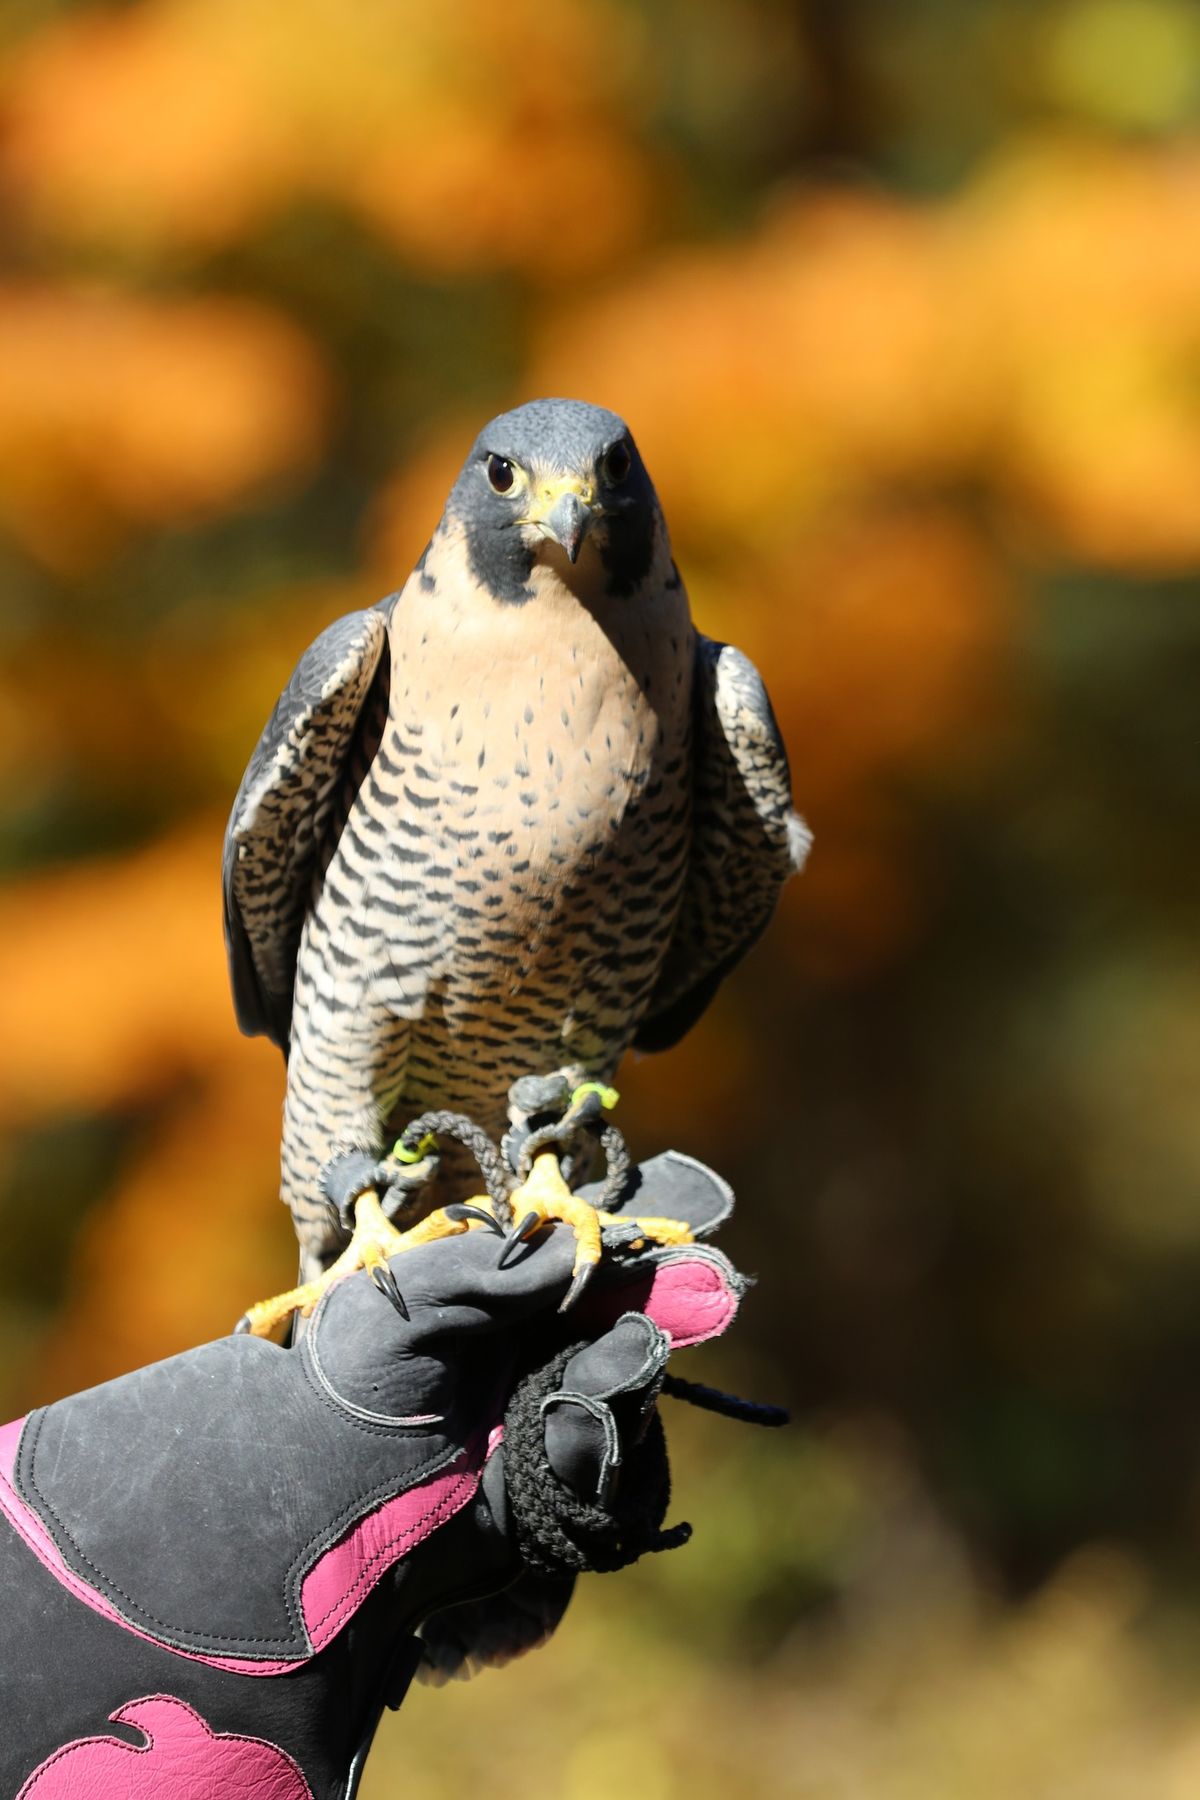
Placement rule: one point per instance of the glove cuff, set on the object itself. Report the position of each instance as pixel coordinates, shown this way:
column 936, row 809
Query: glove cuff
column 266, row 1537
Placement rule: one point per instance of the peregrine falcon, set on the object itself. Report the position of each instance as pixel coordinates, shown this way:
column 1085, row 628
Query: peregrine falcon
column 516, row 817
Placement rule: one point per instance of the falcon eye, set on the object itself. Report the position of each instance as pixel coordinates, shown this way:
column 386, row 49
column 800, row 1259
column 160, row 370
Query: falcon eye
column 617, row 464
column 501, row 473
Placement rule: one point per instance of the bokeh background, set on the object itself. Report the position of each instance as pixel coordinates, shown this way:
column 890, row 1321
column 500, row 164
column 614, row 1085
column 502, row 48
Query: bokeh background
column 903, row 305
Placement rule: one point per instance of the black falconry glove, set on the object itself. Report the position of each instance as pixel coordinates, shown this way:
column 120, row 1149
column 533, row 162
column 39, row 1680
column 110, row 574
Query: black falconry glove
column 214, row 1568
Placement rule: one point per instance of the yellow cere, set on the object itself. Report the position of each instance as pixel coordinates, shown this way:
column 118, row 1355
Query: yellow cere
column 547, row 490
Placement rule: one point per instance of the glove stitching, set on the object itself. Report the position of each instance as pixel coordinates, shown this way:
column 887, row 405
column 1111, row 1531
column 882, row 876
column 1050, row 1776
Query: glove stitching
column 441, row 1509
column 135, row 1613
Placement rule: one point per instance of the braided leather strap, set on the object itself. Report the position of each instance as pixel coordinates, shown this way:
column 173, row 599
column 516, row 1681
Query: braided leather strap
column 558, row 1532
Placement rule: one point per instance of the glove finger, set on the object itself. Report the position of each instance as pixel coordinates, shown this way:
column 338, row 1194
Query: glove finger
column 371, row 1357
column 609, row 1388
column 456, row 1284
column 669, row 1186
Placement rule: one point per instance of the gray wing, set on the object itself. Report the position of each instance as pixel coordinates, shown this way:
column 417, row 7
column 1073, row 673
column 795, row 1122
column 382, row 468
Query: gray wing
column 746, row 840
column 281, row 812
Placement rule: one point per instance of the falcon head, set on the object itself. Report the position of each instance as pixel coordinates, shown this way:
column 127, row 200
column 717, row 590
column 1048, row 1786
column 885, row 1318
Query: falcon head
column 556, row 481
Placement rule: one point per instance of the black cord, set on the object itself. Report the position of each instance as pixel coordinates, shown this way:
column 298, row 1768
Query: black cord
column 730, row 1406
column 558, row 1533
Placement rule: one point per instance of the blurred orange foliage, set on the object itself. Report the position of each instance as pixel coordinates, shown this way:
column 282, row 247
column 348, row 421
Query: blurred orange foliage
column 113, row 1001
column 180, row 124
column 113, row 977
column 153, row 1271
column 813, row 390
column 117, row 410
column 1030, row 335
column 920, row 400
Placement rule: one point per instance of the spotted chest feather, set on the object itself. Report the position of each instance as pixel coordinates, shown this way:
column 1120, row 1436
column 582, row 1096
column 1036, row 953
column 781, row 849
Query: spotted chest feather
column 517, row 844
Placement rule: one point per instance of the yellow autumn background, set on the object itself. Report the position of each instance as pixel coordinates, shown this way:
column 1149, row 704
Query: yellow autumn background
column 903, row 307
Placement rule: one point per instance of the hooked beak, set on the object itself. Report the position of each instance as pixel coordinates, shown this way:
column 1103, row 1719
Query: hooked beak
column 563, row 511
column 567, row 522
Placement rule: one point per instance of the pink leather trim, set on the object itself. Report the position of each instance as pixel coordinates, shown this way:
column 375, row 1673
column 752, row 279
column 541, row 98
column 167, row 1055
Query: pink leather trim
column 10, row 1438
column 30, row 1529
column 337, row 1585
column 691, row 1299
column 334, row 1587
column 182, row 1759
column 689, row 1293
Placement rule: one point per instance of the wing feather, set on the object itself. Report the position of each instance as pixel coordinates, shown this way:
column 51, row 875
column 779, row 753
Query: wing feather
column 746, row 840
column 281, row 813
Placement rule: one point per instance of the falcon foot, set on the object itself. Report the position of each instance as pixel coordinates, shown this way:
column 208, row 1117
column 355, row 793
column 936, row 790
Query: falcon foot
column 364, row 1190
column 544, row 1197
column 374, row 1240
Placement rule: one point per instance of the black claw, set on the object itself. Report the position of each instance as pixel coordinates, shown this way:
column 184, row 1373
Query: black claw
column 581, row 1278
column 519, row 1234
column 389, row 1287
column 460, row 1210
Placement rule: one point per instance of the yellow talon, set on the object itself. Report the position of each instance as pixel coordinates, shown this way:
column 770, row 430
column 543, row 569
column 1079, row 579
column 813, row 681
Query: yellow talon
column 545, row 1196
column 374, row 1240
